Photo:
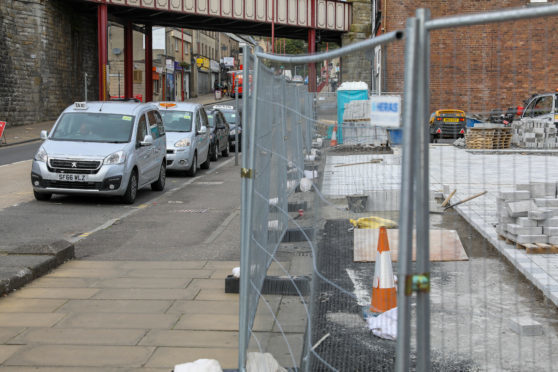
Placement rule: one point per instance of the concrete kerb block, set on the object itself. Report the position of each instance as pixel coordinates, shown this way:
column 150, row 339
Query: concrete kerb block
column 553, row 240
column 525, row 326
column 522, row 230
column 22, row 264
column 550, row 222
column 542, row 189
column 14, row 278
column 546, row 202
column 526, row 222
column 526, row 239
column 550, row 231
column 514, row 195
column 520, row 208
column 540, row 214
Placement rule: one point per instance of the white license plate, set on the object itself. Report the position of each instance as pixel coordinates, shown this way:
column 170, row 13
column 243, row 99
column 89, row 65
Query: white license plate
column 72, row 177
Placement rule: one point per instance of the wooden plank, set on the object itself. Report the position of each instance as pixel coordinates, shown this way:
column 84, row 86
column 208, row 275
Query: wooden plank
column 445, row 245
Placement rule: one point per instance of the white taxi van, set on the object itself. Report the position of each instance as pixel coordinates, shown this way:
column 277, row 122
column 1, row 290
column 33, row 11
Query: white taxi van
column 102, row 148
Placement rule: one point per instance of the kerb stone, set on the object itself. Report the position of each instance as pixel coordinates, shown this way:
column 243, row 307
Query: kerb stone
column 525, row 326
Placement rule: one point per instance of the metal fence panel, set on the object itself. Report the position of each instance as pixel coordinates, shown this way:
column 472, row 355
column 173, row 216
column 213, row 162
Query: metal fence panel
column 482, row 293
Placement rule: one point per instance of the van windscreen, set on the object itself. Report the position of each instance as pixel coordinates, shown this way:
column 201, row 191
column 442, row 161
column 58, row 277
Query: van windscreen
column 94, row 127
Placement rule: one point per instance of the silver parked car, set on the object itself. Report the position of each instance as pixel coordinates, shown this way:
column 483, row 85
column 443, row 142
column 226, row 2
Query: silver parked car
column 186, row 125
column 103, row 148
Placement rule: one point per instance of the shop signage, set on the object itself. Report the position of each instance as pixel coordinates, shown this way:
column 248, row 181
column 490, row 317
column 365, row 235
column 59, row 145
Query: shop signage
column 228, row 61
column 214, row 66
column 170, row 65
column 203, row 63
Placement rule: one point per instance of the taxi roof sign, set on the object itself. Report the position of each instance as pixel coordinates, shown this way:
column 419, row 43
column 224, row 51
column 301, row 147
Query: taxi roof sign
column 80, row 105
column 167, row 104
column 224, row 107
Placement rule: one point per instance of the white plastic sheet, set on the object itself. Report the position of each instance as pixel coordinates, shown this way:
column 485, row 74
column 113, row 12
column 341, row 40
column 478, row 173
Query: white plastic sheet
column 384, row 325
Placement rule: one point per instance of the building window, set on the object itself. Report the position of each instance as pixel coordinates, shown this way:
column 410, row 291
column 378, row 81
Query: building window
column 138, row 76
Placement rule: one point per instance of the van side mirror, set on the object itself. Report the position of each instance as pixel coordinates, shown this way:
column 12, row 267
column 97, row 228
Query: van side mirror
column 44, row 135
column 203, row 130
column 147, row 141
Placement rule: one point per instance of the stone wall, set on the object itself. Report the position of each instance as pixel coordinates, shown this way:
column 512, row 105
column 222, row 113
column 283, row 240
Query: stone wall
column 478, row 68
column 357, row 66
column 47, row 47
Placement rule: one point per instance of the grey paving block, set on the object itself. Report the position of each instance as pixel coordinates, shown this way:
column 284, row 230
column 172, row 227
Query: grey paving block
column 525, row 326
column 540, row 214
column 525, row 239
column 550, row 222
column 519, row 208
column 506, row 219
column 526, row 222
column 514, row 195
column 523, row 186
column 553, row 240
column 550, row 231
column 546, row 202
column 542, row 189
column 522, row 230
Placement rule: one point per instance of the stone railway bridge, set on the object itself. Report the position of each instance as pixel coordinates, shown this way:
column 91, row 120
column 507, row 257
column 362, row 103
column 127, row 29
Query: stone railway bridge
column 49, row 45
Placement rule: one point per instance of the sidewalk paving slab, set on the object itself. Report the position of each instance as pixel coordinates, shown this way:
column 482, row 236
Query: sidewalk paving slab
column 114, row 306
column 119, row 320
column 147, row 294
column 81, row 355
column 80, row 336
column 30, row 305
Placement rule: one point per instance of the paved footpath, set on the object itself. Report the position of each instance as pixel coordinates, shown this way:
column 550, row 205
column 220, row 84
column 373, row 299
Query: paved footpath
column 126, row 315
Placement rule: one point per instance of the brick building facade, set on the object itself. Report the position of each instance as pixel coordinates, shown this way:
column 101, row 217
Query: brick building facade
column 477, row 68
column 47, row 47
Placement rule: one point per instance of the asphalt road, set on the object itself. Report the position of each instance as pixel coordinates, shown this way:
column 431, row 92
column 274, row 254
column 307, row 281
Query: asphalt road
column 13, row 154
column 159, row 226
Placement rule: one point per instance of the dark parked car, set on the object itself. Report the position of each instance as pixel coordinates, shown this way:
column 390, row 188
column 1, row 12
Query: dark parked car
column 232, row 116
column 219, row 134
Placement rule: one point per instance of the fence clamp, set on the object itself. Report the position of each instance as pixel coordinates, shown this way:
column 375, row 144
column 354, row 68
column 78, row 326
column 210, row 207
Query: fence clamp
column 419, row 283
column 246, row 173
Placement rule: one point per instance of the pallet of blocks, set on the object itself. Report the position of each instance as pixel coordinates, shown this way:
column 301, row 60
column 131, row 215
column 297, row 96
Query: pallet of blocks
column 528, row 217
column 488, row 138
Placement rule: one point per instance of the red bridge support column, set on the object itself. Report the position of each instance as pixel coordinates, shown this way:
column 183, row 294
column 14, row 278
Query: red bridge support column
column 128, row 60
column 312, row 66
column 148, row 63
column 102, row 54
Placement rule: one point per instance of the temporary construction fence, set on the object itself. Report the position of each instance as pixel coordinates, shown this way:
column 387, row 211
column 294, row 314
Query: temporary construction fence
column 477, row 283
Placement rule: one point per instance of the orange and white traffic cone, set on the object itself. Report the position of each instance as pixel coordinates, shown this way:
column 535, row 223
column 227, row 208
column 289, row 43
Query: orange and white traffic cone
column 333, row 141
column 384, row 295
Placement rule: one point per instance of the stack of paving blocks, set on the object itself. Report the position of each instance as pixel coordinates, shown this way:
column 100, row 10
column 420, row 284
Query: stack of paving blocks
column 529, row 215
column 357, row 129
column 534, row 133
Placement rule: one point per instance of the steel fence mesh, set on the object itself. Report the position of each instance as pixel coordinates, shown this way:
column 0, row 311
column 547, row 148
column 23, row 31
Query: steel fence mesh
column 493, row 269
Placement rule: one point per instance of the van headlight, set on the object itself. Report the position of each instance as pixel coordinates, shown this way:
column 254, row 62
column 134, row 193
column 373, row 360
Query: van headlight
column 184, row 142
column 41, row 155
column 118, row 157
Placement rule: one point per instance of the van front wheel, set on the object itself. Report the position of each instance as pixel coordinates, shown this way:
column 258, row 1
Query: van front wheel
column 132, row 190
